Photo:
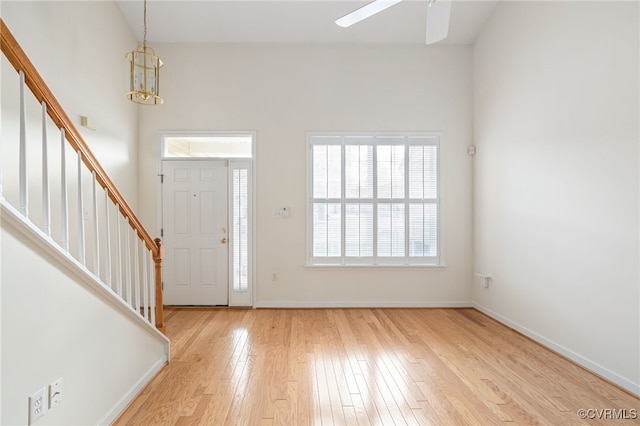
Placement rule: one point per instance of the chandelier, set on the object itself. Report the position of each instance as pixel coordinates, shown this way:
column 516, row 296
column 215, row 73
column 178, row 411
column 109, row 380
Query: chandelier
column 144, row 76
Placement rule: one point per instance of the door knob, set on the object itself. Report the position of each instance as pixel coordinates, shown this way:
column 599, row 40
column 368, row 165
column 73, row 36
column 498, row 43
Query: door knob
column 223, row 241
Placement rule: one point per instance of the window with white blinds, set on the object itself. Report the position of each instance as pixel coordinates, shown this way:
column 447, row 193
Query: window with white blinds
column 374, row 199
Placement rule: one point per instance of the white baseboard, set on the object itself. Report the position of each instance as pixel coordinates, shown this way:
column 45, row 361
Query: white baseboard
column 360, row 304
column 575, row 357
column 113, row 414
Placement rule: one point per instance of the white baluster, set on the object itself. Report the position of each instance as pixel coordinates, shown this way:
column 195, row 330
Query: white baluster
column 136, row 294
column 63, row 191
column 46, row 201
column 24, row 189
column 145, row 282
column 81, row 250
column 108, row 236
column 118, row 254
column 152, row 293
column 1, row 157
column 128, row 260
column 96, row 236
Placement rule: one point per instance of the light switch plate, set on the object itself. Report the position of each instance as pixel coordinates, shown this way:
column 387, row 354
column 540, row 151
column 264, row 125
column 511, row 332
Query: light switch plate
column 55, row 393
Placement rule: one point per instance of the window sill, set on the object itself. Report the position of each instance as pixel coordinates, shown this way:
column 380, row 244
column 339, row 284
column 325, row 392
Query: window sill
column 374, row 267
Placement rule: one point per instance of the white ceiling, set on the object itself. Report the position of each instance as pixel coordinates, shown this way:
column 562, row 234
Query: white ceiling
column 296, row 21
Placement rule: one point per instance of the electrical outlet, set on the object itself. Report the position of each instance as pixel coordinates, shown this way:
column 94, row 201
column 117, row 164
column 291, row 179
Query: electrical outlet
column 485, row 280
column 55, row 393
column 37, row 405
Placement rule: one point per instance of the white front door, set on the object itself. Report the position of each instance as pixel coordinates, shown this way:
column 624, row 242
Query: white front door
column 195, row 227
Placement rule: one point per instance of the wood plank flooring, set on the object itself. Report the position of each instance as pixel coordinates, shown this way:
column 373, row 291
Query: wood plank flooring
column 366, row 367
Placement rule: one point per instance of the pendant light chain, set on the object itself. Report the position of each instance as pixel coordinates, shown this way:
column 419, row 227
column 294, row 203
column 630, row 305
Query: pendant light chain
column 144, row 39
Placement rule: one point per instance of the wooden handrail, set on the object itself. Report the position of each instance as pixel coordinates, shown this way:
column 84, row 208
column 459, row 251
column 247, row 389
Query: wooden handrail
column 19, row 60
column 42, row 93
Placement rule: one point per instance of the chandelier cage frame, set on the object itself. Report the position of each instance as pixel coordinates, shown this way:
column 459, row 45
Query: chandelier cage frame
column 144, row 73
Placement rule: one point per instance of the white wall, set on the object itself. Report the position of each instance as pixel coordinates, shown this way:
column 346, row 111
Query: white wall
column 78, row 48
column 54, row 325
column 102, row 355
column 556, row 178
column 283, row 91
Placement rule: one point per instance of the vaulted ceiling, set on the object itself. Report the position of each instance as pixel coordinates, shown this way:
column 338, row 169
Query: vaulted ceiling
column 296, row 21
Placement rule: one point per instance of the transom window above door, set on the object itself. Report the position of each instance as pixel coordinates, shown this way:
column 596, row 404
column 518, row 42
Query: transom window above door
column 216, row 146
column 374, row 199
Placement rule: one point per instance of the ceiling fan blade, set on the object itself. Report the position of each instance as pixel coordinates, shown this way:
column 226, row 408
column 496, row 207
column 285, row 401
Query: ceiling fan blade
column 365, row 11
column 438, row 14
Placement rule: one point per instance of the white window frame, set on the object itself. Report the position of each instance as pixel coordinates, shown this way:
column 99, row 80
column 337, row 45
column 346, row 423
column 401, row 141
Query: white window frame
column 405, row 139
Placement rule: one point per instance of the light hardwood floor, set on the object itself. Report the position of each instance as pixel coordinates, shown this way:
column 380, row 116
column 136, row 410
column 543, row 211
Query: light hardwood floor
column 366, row 366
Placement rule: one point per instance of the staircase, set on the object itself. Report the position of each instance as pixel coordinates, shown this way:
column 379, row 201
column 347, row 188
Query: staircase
column 87, row 270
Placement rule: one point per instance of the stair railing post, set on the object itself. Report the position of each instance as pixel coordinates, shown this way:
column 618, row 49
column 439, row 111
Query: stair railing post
column 157, row 258
column 127, row 266
column 1, row 157
column 81, row 249
column 146, row 279
column 24, row 188
column 63, row 191
column 152, row 285
column 118, row 254
column 46, row 200
column 96, row 233
column 107, row 234
column 136, row 281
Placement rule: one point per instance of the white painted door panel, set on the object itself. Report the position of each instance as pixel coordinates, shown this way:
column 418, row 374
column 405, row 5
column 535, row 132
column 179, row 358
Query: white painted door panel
column 194, row 209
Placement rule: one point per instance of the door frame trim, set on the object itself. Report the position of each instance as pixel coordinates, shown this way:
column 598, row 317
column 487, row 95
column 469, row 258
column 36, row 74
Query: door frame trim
column 161, row 135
